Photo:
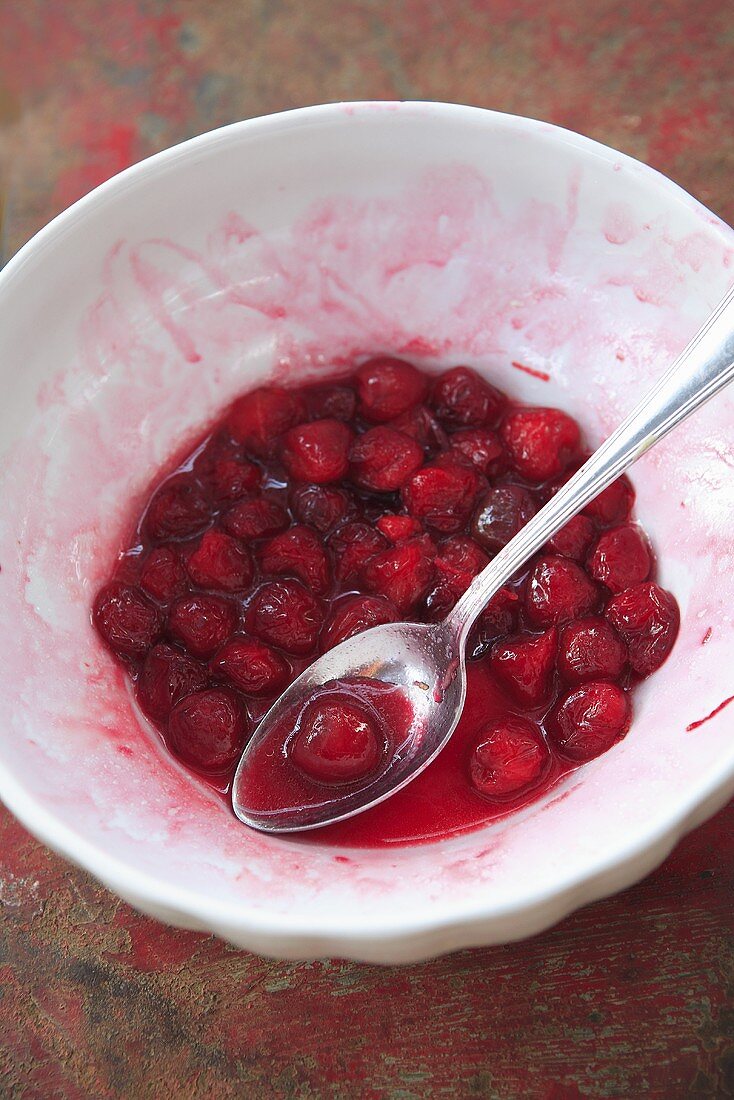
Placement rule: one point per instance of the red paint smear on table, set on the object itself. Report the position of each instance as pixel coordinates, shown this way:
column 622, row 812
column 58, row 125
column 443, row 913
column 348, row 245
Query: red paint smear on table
column 679, row 129
column 541, row 374
column 714, row 712
column 93, row 143
column 105, row 154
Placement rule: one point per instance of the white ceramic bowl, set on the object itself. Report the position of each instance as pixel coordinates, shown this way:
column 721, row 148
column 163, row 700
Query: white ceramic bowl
column 446, row 233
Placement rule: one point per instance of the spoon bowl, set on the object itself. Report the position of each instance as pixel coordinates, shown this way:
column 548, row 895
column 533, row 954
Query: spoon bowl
column 424, row 662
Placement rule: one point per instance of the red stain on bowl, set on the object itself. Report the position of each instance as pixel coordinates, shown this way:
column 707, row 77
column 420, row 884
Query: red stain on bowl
column 620, row 224
column 717, row 710
column 541, row 375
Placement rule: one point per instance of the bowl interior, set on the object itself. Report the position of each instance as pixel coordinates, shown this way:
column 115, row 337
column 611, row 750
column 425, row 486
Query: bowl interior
column 282, row 246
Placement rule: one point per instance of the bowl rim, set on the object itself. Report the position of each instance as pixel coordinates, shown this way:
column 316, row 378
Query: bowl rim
column 439, row 930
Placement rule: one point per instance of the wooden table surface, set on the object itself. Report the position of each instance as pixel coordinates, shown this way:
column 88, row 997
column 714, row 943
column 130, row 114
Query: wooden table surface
column 631, row 997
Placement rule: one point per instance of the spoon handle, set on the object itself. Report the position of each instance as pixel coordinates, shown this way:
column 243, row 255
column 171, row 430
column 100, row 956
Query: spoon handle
column 700, row 371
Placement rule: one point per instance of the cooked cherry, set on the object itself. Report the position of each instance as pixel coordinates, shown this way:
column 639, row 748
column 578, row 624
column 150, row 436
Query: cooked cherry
column 321, row 506
column 221, row 562
column 456, row 571
column 232, row 478
column 251, row 666
column 589, row 649
column 403, row 574
column 441, row 495
column 382, row 459
column 163, row 575
column 498, row 619
column 178, row 509
column 573, row 540
column 337, row 741
column 398, row 528
column 286, row 615
column 298, row 552
column 461, row 399
column 481, row 447
column 257, row 419
column 219, row 447
column 460, row 554
column 647, row 617
column 503, row 511
column 167, row 676
column 201, row 623
column 353, row 614
column 589, row 720
column 334, row 402
column 621, row 558
column 439, row 601
column 510, row 758
column 352, row 546
column 255, row 518
column 540, row 442
column 421, row 425
column 524, row 665
column 388, row 388
column 208, row 729
column 558, row 589
column 126, row 619
column 317, row 452
column 613, row 504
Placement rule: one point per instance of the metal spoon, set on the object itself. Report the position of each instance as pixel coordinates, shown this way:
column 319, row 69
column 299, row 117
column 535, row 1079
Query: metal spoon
column 427, row 662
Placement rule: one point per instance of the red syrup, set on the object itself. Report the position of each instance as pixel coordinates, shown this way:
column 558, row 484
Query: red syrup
column 310, row 514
